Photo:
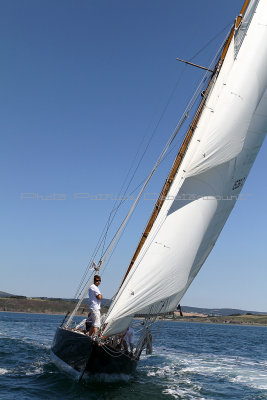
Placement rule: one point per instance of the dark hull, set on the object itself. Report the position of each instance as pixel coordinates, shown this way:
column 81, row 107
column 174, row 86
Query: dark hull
column 82, row 354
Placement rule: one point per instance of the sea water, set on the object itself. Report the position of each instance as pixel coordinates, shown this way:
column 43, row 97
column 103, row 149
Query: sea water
column 189, row 361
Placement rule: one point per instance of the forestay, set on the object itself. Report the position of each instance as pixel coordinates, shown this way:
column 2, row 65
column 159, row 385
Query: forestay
column 226, row 141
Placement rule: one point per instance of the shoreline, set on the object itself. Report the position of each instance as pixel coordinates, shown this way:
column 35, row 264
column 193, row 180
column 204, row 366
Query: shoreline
column 60, row 307
column 197, row 320
column 39, row 313
column 217, row 322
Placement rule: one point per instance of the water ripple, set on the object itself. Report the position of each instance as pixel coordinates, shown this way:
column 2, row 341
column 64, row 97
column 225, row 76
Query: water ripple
column 190, row 361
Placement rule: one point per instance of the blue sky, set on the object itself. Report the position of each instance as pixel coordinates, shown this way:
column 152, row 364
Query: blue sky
column 83, row 83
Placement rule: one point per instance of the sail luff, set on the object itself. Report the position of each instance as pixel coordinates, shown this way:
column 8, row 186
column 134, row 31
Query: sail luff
column 184, row 146
column 238, row 21
column 242, row 12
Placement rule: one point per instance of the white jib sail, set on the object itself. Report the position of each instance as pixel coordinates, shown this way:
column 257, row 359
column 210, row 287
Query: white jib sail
column 226, row 141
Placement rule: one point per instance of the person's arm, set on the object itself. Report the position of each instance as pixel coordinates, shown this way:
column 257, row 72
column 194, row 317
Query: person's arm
column 98, row 294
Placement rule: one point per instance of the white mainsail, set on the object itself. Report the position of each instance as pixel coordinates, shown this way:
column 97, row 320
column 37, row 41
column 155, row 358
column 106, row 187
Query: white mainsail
column 225, row 143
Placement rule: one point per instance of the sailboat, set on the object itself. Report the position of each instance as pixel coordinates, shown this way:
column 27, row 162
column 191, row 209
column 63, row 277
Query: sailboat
column 201, row 189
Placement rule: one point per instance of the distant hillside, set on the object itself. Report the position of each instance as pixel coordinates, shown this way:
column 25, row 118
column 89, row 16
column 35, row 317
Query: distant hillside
column 41, row 305
column 186, row 309
column 58, row 304
column 104, row 302
column 219, row 311
column 241, row 319
column 5, row 294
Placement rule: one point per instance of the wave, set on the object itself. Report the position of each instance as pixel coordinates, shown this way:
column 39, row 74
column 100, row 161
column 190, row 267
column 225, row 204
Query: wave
column 183, row 374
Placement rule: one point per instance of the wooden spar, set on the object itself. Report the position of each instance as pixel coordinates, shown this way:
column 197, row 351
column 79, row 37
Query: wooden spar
column 234, row 29
column 194, row 65
column 242, row 12
column 185, row 144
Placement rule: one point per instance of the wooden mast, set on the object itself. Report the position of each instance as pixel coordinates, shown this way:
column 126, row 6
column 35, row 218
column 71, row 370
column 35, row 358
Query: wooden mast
column 235, row 27
column 185, row 144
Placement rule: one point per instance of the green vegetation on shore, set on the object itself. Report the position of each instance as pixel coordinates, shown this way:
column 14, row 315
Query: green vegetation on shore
column 243, row 319
column 39, row 305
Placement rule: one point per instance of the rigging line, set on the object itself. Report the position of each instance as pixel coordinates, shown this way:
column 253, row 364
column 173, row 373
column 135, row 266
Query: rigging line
column 111, row 349
column 174, row 89
column 103, row 271
column 103, row 235
column 178, row 126
column 176, row 130
column 147, row 146
column 89, row 264
column 142, row 182
column 110, row 257
column 81, row 288
column 150, row 139
column 113, row 354
column 78, row 290
column 85, row 273
column 145, row 150
column 107, row 226
column 153, row 133
column 109, row 221
column 115, row 209
column 174, row 147
column 107, row 263
column 211, row 40
column 84, row 285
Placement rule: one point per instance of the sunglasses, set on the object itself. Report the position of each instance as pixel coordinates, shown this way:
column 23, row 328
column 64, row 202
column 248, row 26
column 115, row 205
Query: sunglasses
column 98, row 280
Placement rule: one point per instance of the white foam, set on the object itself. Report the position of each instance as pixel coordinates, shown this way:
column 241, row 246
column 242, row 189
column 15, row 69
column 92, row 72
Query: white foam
column 179, row 393
column 167, row 370
column 177, row 384
column 251, row 379
column 37, row 370
column 177, row 371
column 3, row 371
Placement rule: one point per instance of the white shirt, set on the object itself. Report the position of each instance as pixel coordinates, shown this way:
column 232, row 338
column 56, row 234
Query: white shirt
column 94, row 302
column 129, row 335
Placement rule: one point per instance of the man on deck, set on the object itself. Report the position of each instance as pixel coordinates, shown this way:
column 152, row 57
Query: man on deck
column 128, row 340
column 95, row 298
